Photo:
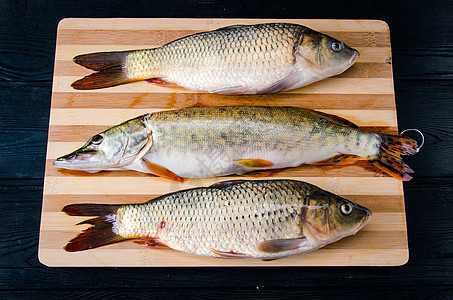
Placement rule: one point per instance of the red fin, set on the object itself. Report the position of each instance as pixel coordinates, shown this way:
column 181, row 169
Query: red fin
column 263, row 173
column 162, row 82
column 275, row 246
column 152, row 243
column 163, row 172
column 93, row 237
column 340, row 160
column 90, row 209
column 229, row 254
column 225, row 184
column 102, row 79
column 109, row 66
column 255, row 163
column 335, row 118
column 102, row 60
column 266, row 173
column 98, row 235
column 232, row 90
column 390, row 160
column 93, row 221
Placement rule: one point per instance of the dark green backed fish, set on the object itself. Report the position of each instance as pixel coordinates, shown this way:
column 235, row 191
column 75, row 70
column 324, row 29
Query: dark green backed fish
column 265, row 219
column 217, row 141
column 243, row 59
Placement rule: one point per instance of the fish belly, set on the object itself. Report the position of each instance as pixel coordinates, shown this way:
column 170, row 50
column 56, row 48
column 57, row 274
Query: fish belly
column 218, row 162
column 215, row 159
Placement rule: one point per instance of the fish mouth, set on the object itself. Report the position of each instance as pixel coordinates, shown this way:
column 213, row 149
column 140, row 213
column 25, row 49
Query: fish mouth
column 75, row 161
column 354, row 57
column 366, row 220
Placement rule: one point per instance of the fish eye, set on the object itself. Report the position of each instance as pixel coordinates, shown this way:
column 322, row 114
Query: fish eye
column 336, row 46
column 346, row 209
column 97, row 139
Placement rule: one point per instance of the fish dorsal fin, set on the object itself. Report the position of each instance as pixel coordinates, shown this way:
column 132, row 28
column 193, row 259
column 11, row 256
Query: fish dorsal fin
column 225, row 184
column 335, row 119
column 230, row 254
column 281, row 245
column 228, row 27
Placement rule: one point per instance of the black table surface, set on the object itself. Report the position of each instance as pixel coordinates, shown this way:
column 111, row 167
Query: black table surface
column 422, row 49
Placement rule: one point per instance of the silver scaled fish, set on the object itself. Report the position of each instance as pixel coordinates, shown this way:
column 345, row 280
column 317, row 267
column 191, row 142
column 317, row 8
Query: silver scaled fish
column 242, row 59
column 265, row 219
column 218, row 141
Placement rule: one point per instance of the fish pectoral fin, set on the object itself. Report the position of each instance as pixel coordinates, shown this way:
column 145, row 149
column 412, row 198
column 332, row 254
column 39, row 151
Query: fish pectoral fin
column 147, row 167
column 255, row 163
column 162, row 82
column 152, row 243
column 282, row 84
column 225, row 184
column 275, row 246
column 339, row 160
column 162, row 172
column 230, row 254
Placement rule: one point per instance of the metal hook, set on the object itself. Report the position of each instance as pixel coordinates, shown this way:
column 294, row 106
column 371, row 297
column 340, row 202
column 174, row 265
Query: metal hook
column 419, row 132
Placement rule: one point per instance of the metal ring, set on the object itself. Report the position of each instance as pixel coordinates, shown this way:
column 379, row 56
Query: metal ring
column 421, row 134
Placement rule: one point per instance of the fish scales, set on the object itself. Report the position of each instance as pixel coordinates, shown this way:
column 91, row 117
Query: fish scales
column 241, row 59
column 233, row 219
column 218, row 58
column 264, row 219
column 218, row 137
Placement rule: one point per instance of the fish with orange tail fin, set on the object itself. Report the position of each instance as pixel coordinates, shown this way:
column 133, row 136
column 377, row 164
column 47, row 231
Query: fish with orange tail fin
column 216, row 141
column 242, row 59
column 264, row 219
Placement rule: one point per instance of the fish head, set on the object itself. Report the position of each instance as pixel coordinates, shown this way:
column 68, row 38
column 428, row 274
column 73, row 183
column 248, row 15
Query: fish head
column 322, row 55
column 329, row 217
column 111, row 149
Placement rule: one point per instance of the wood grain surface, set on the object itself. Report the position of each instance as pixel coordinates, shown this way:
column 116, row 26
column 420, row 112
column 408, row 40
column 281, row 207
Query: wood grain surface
column 363, row 94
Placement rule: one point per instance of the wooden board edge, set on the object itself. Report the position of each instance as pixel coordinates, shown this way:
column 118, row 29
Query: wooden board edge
column 208, row 23
column 46, row 257
column 43, row 253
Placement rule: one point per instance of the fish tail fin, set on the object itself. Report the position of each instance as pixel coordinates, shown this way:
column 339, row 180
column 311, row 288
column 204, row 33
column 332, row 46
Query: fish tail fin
column 102, row 60
column 393, row 147
column 101, row 233
column 109, row 66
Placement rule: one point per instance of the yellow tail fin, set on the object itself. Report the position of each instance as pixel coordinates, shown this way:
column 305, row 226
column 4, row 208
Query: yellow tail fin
column 393, row 147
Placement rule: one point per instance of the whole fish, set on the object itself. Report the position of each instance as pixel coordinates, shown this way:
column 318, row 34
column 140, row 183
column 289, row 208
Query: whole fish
column 217, row 141
column 234, row 219
column 242, row 59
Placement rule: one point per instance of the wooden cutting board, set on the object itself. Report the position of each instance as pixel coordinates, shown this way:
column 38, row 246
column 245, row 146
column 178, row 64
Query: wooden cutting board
column 363, row 94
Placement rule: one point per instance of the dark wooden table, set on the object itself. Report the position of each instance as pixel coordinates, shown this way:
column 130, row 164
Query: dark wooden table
column 422, row 43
